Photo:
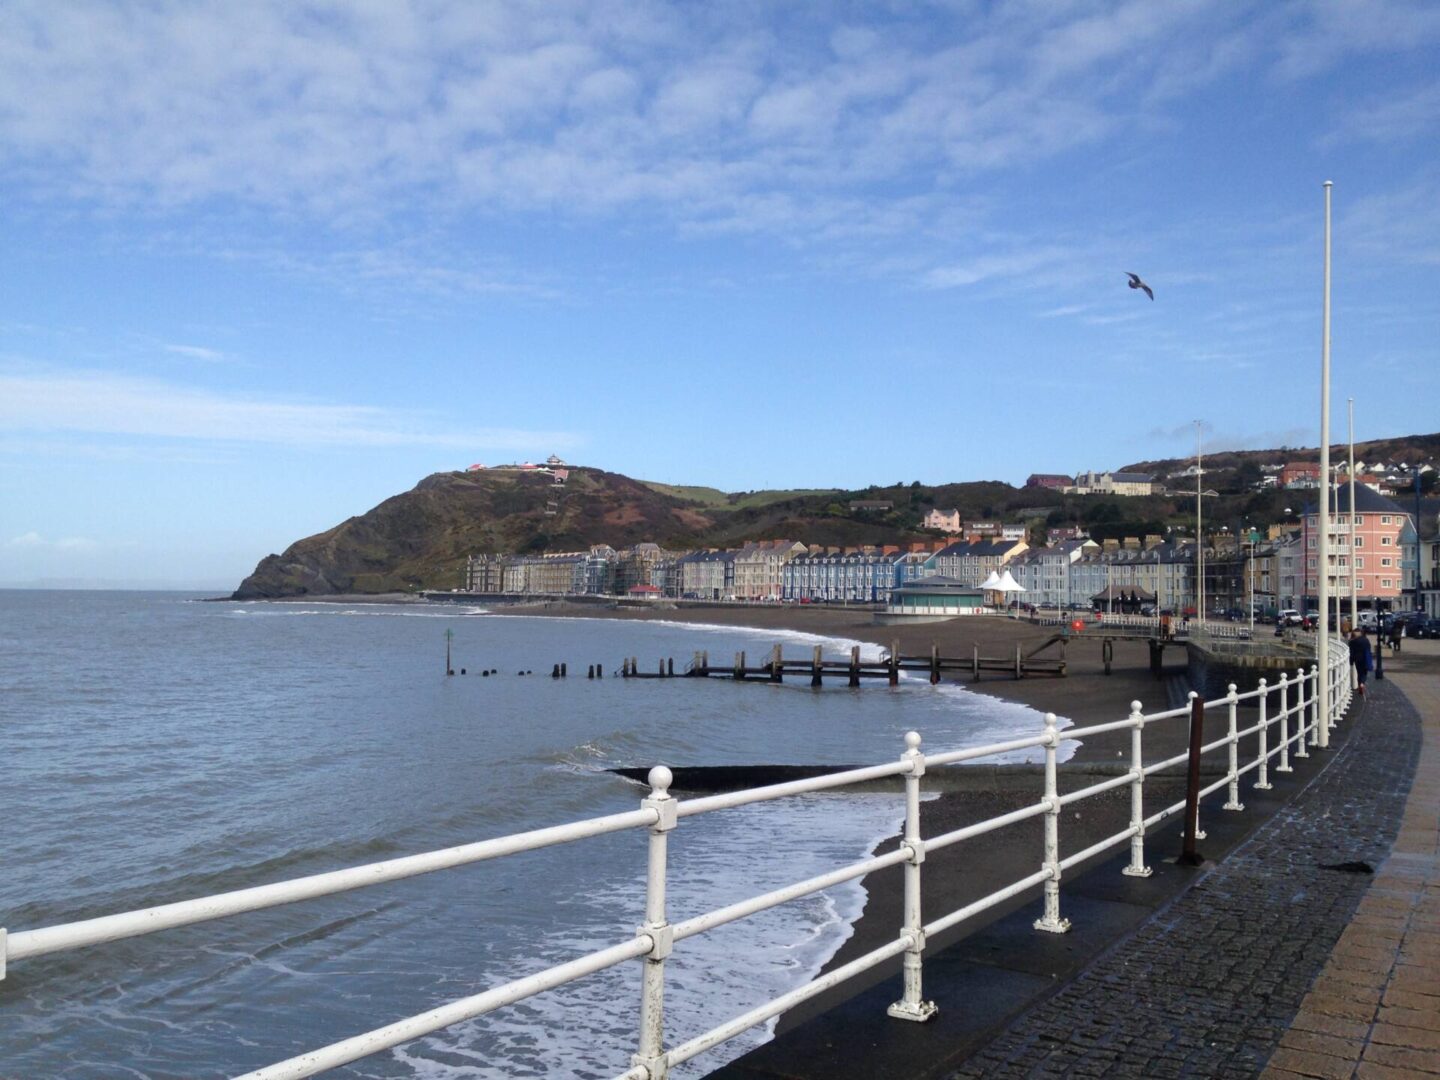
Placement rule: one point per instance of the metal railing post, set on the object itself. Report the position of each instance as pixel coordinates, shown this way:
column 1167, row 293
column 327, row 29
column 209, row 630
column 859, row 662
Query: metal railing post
column 1262, row 758
column 1302, row 715
column 1284, row 765
column 1137, row 867
column 1233, row 802
column 1322, row 717
column 912, row 1005
column 1051, row 920
column 651, row 1056
column 1316, row 733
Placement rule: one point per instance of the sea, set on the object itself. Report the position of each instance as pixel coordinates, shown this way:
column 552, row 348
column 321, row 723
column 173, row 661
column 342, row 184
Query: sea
column 159, row 748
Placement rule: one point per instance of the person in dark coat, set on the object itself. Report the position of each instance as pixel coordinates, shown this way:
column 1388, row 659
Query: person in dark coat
column 1360, row 657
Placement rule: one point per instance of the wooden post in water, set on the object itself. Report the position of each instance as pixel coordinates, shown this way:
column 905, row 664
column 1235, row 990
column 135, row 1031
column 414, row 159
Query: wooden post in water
column 735, row 672
column 934, row 663
column 974, row 661
column 448, row 635
column 815, row 668
column 894, row 663
column 1019, row 670
column 854, row 665
column 599, row 672
column 1107, row 653
column 777, row 665
column 670, row 666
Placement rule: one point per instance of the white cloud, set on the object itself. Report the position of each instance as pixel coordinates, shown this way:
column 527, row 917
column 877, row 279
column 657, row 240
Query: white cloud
column 35, row 542
column 1398, row 116
column 48, row 401
column 580, row 107
column 195, row 352
column 1007, row 265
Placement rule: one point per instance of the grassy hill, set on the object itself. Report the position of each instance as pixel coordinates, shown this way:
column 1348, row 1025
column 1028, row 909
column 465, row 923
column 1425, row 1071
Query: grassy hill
column 421, row 538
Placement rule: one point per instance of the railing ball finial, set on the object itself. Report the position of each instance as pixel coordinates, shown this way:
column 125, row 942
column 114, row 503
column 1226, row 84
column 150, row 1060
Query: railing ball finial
column 660, row 779
column 1136, row 706
column 912, row 740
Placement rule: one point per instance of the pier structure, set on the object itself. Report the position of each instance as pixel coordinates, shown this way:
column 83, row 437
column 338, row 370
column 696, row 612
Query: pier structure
column 816, row 668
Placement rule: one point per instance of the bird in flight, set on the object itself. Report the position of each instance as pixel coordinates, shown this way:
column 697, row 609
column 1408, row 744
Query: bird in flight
column 1136, row 283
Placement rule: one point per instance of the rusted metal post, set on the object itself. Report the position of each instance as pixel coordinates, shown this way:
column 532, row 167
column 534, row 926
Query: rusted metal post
column 815, row 668
column 777, row 665
column 854, row 665
column 1019, row 671
column 1188, row 855
column 934, row 663
column 894, row 663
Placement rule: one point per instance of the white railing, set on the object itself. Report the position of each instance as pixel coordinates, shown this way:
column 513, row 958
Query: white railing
column 1294, row 721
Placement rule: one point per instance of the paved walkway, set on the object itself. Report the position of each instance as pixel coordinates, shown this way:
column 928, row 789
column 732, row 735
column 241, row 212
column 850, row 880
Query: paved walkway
column 1374, row 1011
column 1210, row 986
column 1273, row 962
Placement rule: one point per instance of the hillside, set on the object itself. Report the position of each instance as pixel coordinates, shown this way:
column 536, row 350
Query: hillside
column 420, row 539
column 1405, row 450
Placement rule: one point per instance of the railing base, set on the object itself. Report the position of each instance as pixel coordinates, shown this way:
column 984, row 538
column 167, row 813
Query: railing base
column 1142, row 871
column 1058, row 926
column 917, row 1013
column 1233, row 806
column 1266, row 787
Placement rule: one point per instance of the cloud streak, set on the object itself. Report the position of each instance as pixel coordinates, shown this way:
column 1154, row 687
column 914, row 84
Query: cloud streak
column 584, row 108
column 100, row 403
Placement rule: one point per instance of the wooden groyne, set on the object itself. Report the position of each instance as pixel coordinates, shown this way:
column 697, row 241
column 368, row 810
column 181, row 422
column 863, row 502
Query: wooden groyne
column 777, row 667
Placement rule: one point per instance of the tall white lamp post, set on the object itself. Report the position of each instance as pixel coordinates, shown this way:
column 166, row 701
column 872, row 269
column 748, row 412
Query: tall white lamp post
column 1322, row 630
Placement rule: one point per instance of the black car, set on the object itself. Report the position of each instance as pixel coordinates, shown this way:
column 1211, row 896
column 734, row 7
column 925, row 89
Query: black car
column 1424, row 628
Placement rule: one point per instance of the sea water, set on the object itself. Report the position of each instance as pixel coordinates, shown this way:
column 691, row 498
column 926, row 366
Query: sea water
column 158, row 748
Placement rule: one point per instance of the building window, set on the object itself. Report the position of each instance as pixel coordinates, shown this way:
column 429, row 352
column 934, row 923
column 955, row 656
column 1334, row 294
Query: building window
column 1384, row 541
column 1384, row 519
column 1359, row 541
column 1359, row 563
column 1384, row 562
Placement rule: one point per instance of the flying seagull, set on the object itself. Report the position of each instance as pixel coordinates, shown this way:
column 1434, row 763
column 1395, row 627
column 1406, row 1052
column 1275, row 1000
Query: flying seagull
column 1136, row 283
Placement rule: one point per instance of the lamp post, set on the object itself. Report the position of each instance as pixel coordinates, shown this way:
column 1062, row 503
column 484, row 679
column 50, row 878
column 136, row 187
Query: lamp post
column 1199, row 534
column 1322, row 637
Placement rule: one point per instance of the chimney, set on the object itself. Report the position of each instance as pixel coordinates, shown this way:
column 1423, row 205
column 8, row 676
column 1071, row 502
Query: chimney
column 1110, row 546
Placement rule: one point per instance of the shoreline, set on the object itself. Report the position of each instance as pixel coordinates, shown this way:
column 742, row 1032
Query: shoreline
column 957, row 875
column 963, row 873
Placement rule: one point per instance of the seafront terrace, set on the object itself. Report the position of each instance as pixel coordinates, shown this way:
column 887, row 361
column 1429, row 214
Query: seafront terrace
column 1281, row 732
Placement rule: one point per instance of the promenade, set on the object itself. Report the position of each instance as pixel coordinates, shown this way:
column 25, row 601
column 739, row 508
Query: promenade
column 1266, row 961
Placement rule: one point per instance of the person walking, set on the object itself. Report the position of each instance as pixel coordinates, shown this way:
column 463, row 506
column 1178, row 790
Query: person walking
column 1396, row 629
column 1361, row 657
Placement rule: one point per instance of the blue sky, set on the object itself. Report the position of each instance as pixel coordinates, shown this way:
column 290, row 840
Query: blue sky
column 266, row 264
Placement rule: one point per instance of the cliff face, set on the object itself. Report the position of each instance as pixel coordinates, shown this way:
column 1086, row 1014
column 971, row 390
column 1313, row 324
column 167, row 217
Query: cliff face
column 420, row 539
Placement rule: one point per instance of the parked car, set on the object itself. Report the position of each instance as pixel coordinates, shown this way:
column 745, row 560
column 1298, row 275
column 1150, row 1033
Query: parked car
column 1289, row 617
column 1427, row 628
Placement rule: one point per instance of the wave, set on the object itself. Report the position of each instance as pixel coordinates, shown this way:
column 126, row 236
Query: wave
column 398, row 611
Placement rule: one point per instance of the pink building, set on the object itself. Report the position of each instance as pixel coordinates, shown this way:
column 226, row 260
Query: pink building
column 1367, row 547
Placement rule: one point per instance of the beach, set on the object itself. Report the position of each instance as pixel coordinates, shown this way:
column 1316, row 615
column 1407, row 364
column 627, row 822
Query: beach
column 960, row 874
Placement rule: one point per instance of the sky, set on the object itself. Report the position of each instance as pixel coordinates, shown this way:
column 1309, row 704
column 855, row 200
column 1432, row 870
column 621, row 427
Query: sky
column 264, row 265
